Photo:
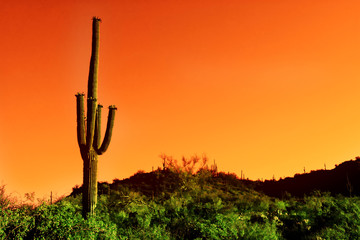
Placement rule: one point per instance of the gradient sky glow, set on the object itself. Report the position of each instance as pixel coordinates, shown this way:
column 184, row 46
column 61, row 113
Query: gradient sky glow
column 267, row 87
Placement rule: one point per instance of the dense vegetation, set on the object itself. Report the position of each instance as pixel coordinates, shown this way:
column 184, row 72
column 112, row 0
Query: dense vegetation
column 184, row 202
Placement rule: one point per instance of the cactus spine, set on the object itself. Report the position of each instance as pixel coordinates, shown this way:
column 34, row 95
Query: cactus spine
column 88, row 130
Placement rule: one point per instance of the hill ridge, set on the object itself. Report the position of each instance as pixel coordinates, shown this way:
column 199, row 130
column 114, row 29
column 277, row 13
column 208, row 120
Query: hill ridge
column 343, row 179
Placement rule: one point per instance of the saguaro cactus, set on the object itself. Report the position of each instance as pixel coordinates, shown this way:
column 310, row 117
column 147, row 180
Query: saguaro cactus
column 88, row 129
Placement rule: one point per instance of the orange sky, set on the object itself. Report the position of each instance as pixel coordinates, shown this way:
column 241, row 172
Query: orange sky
column 267, row 87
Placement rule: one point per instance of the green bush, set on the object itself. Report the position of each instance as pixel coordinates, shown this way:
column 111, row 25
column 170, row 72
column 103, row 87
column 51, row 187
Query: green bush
column 15, row 223
column 205, row 205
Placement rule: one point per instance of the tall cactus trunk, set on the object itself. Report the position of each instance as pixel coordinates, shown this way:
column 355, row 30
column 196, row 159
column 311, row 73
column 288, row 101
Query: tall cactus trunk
column 89, row 199
column 88, row 131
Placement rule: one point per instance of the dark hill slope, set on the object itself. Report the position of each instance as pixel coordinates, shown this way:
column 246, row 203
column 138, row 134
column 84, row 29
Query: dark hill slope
column 343, row 179
column 164, row 182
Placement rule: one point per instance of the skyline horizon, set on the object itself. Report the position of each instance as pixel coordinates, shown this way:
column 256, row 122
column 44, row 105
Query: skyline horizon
column 55, row 195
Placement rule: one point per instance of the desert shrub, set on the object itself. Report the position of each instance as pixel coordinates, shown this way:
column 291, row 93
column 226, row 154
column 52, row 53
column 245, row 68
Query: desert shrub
column 64, row 221
column 334, row 232
column 156, row 232
column 220, row 227
column 266, row 231
column 55, row 221
column 333, row 216
column 5, row 200
column 205, row 205
column 321, row 216
column 15, row 223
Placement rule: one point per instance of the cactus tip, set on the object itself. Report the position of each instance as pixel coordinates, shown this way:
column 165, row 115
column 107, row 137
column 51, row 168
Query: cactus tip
column 112, row 107
column 96, row 19
column 79, row 94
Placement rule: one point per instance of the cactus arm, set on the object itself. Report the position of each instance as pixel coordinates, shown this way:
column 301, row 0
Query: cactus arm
column 109, row 128
column 94, row 61
column 97, row 134
column 80, row 119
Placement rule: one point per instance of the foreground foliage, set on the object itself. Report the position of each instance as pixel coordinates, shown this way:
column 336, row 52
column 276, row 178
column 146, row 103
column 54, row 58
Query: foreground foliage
column 205, row 205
